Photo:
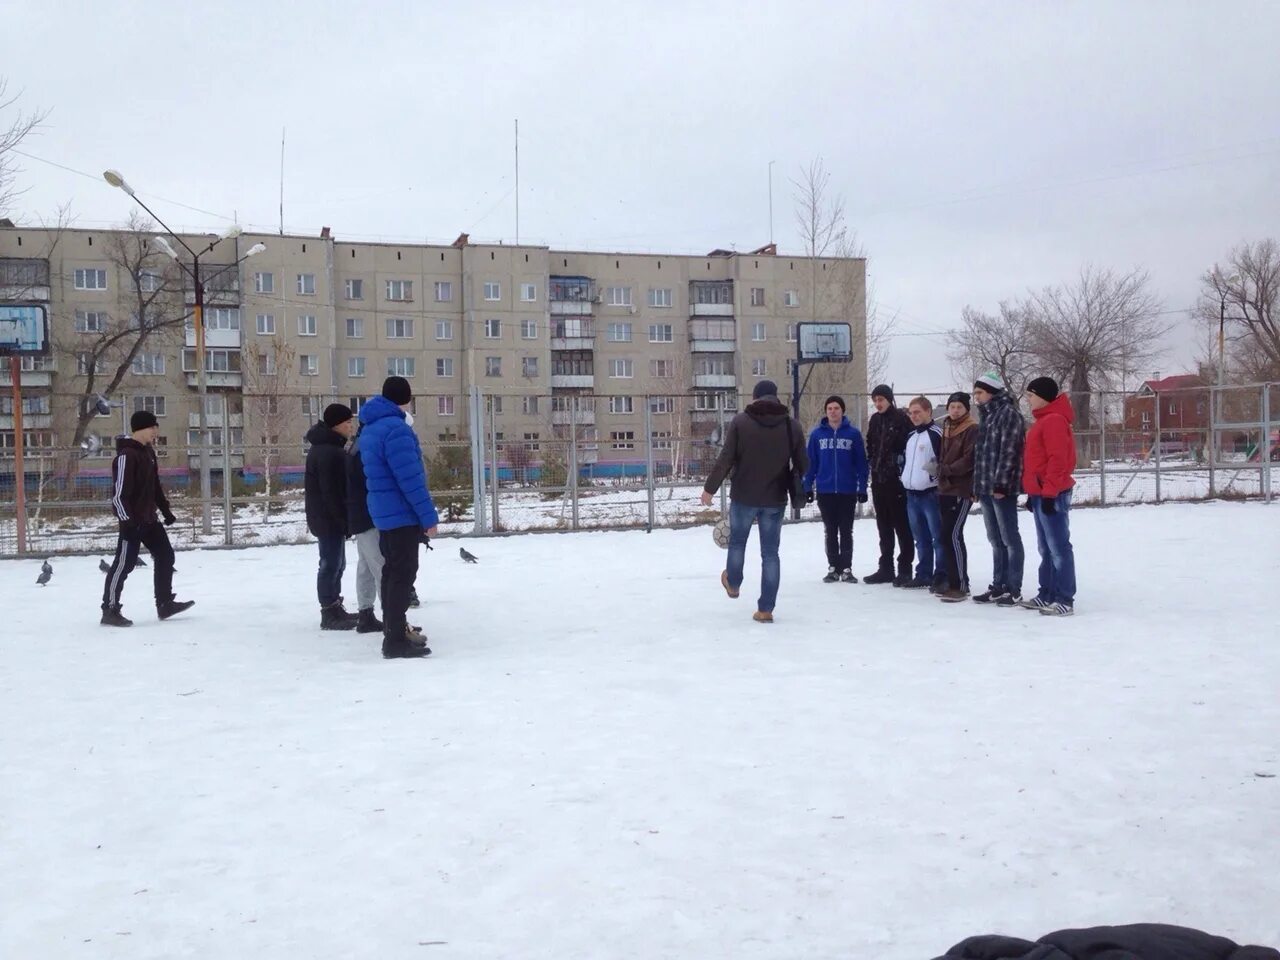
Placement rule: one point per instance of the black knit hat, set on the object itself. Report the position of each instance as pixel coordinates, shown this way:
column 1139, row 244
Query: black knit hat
column 142, row 419
column 765, row 388
column 884, row 390
column 336, row 414
column 834, row 399
column 397, row 390
column 1046, row 388
column 959, row 397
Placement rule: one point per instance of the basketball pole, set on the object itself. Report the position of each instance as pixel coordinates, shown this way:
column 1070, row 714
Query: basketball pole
column 19, row 470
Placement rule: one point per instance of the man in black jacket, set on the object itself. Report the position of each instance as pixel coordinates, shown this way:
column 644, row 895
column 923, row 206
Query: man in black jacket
column 1134, row 941
column 887, row 433
column 136, row 498
column 326, row 493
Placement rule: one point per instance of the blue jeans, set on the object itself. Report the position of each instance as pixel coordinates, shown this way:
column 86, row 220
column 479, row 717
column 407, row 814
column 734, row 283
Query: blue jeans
column 333, row 561
column 926, row 530
column 770, row 519
column 1001, row 520
column 1057, row 559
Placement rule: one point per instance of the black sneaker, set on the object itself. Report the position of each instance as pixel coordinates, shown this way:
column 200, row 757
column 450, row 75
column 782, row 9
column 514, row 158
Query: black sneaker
column 918, row 583
column 1009, row 600
column 832, row 575
column 168, row 608
column 992, row 595
column 112, row 617
column 846, row 576
column 880, row 576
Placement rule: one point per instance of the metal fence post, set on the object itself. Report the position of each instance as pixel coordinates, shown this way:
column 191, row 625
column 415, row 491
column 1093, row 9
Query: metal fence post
column 493, row 453
column 1158, row 445
column 572, row 479
column 1215, row 397
column 226, row 471
column 475, row 424
column 1102, row 455
column 1265, row 446
column 724, row 487
column 648, row 448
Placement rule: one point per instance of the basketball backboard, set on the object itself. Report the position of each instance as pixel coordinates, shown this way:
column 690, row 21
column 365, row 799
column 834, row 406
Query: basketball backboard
column 24, row 330
column 825, row 343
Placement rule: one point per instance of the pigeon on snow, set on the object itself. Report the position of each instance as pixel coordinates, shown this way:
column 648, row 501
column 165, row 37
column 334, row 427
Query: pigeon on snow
column 103, row 565
column 46, row 573
column 469, row 558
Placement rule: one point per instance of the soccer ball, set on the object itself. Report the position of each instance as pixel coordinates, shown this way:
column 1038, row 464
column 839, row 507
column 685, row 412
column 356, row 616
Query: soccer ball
column 720, row 533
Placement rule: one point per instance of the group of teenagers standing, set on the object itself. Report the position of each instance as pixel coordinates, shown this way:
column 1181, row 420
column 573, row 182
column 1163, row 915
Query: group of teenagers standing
column 924, row 476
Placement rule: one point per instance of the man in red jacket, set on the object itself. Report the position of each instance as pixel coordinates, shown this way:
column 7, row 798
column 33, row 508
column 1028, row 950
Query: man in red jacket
column 1048, row 460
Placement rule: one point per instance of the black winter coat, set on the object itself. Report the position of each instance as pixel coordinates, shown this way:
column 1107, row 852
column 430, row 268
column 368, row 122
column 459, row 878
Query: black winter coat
column 136, row 493
column 358, row 519
column 1137, row 941
column 326, row 482
column 886, row 440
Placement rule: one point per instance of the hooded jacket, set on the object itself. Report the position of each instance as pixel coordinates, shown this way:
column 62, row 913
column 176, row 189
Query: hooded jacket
column 997, row 451
column 136, row 494
column 837, row 459
column 325, row 482
column 920, row 458
column 358, row 519
column 955, row 463
column 757, row 454
column 1135, row 941
column 1050, row 455
column 393, row 470
column 886, row 438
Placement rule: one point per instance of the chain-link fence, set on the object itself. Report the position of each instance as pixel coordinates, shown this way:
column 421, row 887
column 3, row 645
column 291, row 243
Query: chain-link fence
column 565, row 461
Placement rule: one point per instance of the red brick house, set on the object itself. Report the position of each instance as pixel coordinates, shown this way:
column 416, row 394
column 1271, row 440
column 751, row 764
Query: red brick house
column 1184, row 411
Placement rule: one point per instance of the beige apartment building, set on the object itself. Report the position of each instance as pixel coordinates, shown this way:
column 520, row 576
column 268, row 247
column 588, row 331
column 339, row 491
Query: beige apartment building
column 549, row 337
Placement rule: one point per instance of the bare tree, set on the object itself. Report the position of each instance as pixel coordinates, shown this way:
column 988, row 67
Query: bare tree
column 1000, row 342
column 152, row 312
column 669, row 405
column 1245, row 296
column 269, row 367
column 15, row 127
column 1094, row 332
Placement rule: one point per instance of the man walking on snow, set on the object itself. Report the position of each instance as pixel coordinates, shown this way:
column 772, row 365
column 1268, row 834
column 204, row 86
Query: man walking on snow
column 997, row 475
column 136, row 498
column 326, row 499
column 399, row 504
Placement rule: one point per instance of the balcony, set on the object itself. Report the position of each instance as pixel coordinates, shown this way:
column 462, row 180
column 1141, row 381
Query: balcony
column 30, row 378
column 581, row 418
column 711, row 298
column 223, row 291
column 711, row 309
column 223, row 339
column 24, row 279
column 573, row 380
column 573, row 334
column 570, row 308
column 215, row 379
column 571, row 296
column 712, row 346
column 213, row 420
column 717, row 381
column 30, row 421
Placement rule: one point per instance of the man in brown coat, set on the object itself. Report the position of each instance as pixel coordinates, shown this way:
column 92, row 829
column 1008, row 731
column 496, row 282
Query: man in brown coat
column 955, row 493
column 762, row 447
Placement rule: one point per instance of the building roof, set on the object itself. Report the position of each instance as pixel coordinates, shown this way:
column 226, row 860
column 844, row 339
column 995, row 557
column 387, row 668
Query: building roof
column 1179, row 381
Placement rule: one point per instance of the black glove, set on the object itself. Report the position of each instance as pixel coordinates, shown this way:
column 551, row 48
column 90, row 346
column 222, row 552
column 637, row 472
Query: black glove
column 1048, row 506
column 862, row 498
column 810, row 496
column 169, row 518
column 1000, row 490
column 1031, row 504
column 130, row 528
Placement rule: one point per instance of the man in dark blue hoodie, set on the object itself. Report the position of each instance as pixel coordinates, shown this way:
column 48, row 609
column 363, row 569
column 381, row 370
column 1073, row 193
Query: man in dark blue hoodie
column 837, row 475
column 400, row 505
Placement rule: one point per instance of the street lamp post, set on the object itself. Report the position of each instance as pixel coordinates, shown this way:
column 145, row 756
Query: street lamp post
column 114, row 178
column 1223, row 285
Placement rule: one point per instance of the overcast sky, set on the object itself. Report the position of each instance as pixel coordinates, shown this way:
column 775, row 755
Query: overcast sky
column 981, row 148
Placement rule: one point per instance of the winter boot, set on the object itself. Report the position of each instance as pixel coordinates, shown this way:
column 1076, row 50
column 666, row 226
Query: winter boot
column 403, row 647
column 883, row 575
column 832, row 575
column 846, row 576
column 413, row 597
column 939, row 583
column 335, row 617
column 904, row 577
column 952, row 595
column 761, row 616
column 367, row 621
column 112, row 617
column 167, row 608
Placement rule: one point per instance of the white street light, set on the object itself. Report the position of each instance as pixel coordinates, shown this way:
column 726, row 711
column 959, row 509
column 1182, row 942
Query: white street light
column 231, row 232
column 256, row 249
column 115, row 178
column 164, row 246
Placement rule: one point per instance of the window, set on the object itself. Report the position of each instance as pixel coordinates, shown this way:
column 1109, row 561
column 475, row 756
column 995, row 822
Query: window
column 401, row 290
column 532, row 440
column 659, row 296
column 311, row 407
column 529, row 366
column 619, row 296
column 661, row 333
column 573, row 363
column 568, row 328
column 791, row 298
column 444, row 329
column 399, row 328
column 621, row 405
column 266, row 364
column 355, row 366
column 444, row 406
column 307, row 284
column 91, row 279
column 400, row 367
column 266, row 324
column 1173, row 407
column 757, row 332
column 621, row 369
column 1146, row 418
column 662, row 404
column 30, row 405
column 444, row 366
column 306, row 325
column 222, row 318
column 713, row 401
column 444, row 291
column 492, row 290
column 494, row 405
column 150, row 405
column 493, row 366
column 308, row 365
column 528, row 329
column 493, row 329
column 791, row 366
column 148, row 365
column 89, row 321
column 759, row 368
column 620, row 332
column 715, row 365
column 623, row 439
column 660, row 368
column 791, row 333
column 704, row 329
column 264, row 283
column 355, row 328
column 354, row 289
column 149, row 282
column 716, row 292
column 355, row 405
column 85, row 360
column 528, row 292
column 660, row 439
column 529, row 405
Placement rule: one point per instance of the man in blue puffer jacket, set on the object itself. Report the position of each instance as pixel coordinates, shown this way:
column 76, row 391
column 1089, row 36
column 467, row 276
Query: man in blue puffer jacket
column 838, row 474
column 399, row 504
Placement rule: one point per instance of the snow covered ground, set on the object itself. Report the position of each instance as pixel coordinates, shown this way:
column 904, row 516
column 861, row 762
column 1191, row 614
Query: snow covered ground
column 607, row 758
